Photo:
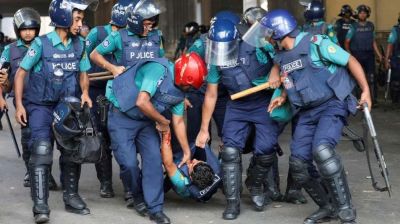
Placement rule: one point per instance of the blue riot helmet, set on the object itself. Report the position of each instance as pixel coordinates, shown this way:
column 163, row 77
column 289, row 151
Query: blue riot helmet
column 143, row 10
column 70, row 121
column 227, row 15
column 276, row 24
column 118, row 15
column 222, row 43
column 60, row 11
column 314, row 11
column 26, row 18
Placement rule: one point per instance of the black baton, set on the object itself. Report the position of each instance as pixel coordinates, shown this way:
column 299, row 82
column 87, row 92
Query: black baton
column 12, row 133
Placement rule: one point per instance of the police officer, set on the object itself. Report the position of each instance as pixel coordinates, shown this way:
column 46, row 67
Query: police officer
column 129, row 46
column 242, row 67
column 139, row 97
column 361, row 43
column 199, row 179
column 392, row 60
column 343, row 24
column 57, row 61
column 26, row 26
column 97, row 88
column 272, row 183
column 195, row 99
column 315, row 24
column 318, row 87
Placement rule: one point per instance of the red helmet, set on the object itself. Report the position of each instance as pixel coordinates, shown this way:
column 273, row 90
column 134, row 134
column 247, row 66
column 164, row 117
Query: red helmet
column 190, row 69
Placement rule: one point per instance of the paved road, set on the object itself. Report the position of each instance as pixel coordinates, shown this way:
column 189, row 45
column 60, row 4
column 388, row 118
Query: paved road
column 372, row 207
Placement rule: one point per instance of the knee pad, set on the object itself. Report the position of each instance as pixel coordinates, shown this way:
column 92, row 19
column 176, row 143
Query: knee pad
column 299, row 170
column 329, row 164
column 42, row 153
column 265, row 160
column 230, row 155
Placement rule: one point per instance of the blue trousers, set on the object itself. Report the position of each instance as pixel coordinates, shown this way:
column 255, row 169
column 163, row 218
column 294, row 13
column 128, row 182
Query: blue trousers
column 40, row 120
column 194, row 114
column 241, row 115
column 128, row 137
column 318, row 125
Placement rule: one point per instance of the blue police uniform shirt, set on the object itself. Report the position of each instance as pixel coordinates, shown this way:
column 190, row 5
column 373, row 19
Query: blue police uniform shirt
column 91, row 39
column 33, row 59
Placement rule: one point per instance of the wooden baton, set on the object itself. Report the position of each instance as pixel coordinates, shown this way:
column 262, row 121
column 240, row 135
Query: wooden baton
column 106, row 77
column 250, row 91
column 99, row 74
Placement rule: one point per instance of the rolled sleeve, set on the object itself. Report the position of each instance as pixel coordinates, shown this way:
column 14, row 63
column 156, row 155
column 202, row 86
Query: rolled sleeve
column 213, row 75
column 91, row 40
column 112, row 43
column 33, row 55
column 178, row 109
column 5, row 55
column 334, row 53
column 393, row 36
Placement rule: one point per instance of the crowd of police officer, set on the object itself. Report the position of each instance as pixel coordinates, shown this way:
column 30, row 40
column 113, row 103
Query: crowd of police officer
column 90, row 118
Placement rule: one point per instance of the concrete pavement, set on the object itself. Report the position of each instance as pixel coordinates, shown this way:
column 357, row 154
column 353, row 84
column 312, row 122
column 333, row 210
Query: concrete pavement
column 372, row 207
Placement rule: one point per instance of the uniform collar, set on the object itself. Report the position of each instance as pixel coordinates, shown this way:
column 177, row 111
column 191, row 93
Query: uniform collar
column 20, row 42
column 56, row 40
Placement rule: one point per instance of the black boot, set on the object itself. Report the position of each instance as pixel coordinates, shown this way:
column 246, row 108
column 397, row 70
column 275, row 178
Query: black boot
column 272, row 185
column 300, row 173
column 332, row 171
column 139, row 205
column 52, row 183
column 293, row 192
column 104, row 174
column 40, row 193
column 232, row 181
column 160, row 218
column 256, row 176
column 73, row 202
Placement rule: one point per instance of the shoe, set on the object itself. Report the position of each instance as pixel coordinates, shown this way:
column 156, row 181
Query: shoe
column 42, row 218
column 27, row 181
column 106, row 190
column 160, row 218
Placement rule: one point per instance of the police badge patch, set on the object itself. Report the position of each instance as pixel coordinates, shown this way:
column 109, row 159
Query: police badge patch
column 31, row 52
column 106, row 43
column 88, row 43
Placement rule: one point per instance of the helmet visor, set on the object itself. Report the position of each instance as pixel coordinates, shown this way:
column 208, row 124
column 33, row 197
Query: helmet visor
column 149, row 8
column 257, row 35
column 27, row 17
column 222, row 53
column 84, row 4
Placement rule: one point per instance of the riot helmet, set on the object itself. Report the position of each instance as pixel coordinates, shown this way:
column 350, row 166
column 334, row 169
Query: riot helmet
column 363, row 8
column 276, row 24
column 60, row 11
column 346, row 9
column 26, row 18
column 226, row 15
column 315, row 11
column 222, row 43
column 144, row 10
column 118, row 15
column 253, row 14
